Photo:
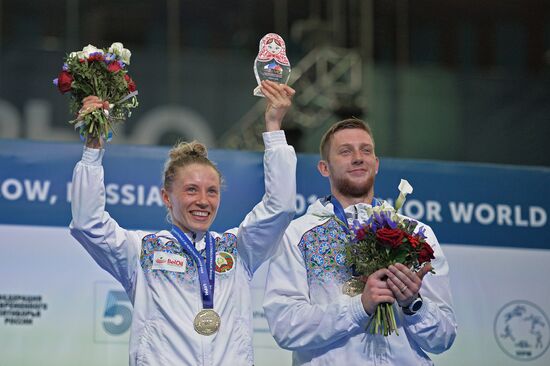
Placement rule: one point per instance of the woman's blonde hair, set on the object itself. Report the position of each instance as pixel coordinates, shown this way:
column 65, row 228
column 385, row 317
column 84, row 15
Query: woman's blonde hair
column 182, row 155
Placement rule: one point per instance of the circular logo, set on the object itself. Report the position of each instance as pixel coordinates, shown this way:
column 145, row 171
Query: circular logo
column 224, row 262
column 522, row 330
column 161, row 259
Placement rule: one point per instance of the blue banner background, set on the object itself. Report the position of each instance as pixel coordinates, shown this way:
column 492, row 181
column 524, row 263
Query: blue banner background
column 513, row 191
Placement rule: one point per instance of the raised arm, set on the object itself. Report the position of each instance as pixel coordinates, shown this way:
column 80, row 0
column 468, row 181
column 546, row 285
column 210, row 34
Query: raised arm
column 279, row 101
column 264, row 226
column 116, row 250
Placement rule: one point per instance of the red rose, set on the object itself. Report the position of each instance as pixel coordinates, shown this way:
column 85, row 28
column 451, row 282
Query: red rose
column 426, row 253
column 360, row 234
column 95, row 57
column 131, row 85
column 64, row 82
column 114, row 67
column 390, row 237
column 413, row 240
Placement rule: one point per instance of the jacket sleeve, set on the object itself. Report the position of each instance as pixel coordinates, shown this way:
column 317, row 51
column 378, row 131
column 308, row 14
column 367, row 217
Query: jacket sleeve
column 294, row 321
column 264, row 226
column 434, row 326
column 116, row 250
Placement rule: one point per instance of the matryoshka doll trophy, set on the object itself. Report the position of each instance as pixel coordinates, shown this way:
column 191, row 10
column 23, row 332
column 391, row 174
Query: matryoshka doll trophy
column 271, row 62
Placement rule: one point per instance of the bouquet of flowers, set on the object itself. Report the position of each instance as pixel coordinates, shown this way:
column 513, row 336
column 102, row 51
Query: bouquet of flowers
column 103, row 73
column 387, row 238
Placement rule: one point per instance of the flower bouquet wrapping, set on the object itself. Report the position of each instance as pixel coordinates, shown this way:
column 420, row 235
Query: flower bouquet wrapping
column 386, row 238
column 103, row 73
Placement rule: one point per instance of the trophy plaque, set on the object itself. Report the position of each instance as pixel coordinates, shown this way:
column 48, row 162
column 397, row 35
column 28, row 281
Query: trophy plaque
column 271, row 62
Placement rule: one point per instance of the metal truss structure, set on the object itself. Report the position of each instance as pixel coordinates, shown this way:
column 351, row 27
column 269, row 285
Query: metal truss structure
column 326, row 80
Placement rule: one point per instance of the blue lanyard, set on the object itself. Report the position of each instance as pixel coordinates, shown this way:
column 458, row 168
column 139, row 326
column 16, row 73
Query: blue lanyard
column 341, row 214
column 205, row 268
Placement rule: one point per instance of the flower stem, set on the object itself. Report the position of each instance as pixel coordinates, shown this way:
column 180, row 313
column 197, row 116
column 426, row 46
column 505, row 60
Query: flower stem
column 377, row 319
column 393, row 323
column 382, row 321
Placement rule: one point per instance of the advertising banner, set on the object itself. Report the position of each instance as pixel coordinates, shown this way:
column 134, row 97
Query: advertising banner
column 58, row 307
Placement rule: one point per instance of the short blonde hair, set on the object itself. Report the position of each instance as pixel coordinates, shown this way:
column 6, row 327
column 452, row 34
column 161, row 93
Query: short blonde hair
column 350, row 123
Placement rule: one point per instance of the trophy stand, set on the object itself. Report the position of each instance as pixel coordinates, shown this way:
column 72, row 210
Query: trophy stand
column 271, row 62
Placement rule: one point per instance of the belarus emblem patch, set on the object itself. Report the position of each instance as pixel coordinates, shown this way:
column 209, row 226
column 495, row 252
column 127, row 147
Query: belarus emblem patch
column 224, row 262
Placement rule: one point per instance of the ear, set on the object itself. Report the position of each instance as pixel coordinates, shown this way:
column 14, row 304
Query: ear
column 166, row 198
column 377, row 165
column 323, row 168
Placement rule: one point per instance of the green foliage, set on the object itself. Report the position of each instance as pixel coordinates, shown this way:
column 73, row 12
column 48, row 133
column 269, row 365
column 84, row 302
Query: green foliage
column 91, row 75
column 368, row 255
column 384, row 239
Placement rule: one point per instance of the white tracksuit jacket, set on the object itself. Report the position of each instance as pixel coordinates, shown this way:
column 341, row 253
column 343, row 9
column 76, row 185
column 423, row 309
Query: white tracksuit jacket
column 165, row 302
column 308, row 313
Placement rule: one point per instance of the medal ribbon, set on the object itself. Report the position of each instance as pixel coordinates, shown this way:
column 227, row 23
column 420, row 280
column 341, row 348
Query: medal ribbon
column 204, row 268
column 341, row 214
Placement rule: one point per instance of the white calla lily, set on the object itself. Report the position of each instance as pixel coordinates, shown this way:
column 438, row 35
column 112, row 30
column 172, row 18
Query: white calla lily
column 404, row 189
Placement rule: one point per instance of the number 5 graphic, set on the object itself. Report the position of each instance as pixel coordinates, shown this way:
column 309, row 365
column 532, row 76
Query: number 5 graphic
column 117, row 304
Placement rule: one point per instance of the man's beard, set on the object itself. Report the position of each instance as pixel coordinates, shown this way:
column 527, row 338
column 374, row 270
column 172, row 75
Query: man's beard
column 349, row 188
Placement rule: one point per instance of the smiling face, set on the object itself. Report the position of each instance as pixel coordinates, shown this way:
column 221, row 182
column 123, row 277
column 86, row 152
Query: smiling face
column 351, row 166
column 273, row 47
column 194, row 197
